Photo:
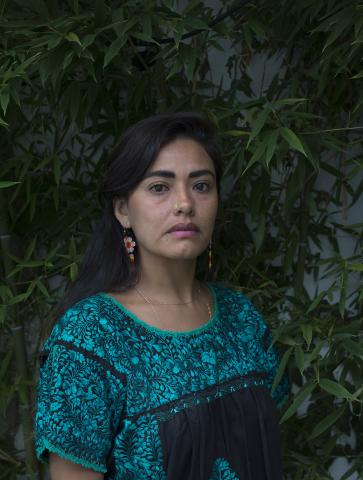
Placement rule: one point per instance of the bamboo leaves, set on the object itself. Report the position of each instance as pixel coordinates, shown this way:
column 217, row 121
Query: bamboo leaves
column 307, row 332
column 7, row 184
column 303, row 394
column 258, row 124
column 114, row 49
column 336, row 389
column 282, row 368
column 266, row 135
column 4, row 98
column 284, row 88
column 292, row 139
column 73, row 37
column 327, row 422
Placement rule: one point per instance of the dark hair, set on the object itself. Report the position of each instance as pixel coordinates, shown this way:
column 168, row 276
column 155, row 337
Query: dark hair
column 106, row 266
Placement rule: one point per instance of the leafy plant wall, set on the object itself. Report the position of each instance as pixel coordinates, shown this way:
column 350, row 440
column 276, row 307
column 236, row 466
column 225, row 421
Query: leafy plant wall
column 74, row 74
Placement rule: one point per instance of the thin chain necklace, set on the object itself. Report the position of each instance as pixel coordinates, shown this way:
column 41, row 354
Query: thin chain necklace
column 156, row 302
column 152, row 303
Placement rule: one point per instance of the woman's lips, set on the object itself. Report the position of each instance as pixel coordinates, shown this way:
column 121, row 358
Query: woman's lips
column 184, row 227
column 184, row 233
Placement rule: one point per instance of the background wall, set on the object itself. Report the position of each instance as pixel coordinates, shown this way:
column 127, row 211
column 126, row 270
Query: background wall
column 283, row 83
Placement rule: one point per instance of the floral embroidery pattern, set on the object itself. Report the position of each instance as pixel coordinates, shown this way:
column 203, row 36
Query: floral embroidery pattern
column 78, row 407
column 222, row 471
column 108, row 380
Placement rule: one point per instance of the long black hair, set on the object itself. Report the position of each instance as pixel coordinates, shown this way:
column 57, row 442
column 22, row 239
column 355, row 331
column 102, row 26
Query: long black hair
column 106, row 266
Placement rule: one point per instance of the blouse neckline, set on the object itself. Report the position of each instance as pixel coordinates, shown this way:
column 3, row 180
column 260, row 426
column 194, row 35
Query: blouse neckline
column 159, row 331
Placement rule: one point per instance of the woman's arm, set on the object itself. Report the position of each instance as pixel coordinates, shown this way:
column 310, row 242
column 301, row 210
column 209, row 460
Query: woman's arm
column 61, row 469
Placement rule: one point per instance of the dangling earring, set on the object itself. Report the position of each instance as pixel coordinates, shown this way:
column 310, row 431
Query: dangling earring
column 210, row 255
column 130, row 245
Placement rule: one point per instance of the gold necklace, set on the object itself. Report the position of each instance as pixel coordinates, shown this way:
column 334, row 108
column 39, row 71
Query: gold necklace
column 148, row 300
column 156, row 302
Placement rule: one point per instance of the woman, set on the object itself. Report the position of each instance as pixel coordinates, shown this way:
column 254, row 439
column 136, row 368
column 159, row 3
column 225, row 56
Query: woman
column 150, row 373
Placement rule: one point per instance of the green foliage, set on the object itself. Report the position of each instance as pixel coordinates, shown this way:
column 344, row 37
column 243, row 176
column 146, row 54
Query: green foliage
column 288, row 106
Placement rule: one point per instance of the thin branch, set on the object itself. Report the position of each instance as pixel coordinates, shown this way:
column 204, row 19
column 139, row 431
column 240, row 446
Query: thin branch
column 211, row 24
column 139, row 57
column 331, row 130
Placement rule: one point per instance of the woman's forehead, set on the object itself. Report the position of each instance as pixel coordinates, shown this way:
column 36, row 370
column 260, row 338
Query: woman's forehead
column 182, row 155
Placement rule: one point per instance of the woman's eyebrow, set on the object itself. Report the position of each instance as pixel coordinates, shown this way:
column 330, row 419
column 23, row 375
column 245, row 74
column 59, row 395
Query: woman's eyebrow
column 170, row 174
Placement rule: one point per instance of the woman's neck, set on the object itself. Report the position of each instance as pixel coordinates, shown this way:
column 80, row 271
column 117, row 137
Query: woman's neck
column 169, row 280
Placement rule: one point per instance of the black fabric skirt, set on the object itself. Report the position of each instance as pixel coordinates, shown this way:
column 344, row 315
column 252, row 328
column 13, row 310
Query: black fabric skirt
column 240, row 427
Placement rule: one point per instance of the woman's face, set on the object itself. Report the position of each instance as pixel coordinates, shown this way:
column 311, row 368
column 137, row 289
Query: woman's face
column 173, row 209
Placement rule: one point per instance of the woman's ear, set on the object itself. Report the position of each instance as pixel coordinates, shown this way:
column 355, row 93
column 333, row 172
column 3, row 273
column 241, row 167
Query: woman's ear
column 121, row 212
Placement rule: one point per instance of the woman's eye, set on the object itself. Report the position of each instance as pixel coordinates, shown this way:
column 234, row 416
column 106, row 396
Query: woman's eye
column 202, row 187
column 158, row 188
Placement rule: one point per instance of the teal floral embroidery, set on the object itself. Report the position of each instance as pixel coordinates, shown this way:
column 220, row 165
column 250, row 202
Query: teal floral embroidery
column 78, row 407
column 139, row 450
column 108, row 380
column 209, row 357
column 223, row 471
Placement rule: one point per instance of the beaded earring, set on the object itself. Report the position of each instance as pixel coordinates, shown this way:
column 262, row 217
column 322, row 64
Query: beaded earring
column 130, row 245
column 210, row 255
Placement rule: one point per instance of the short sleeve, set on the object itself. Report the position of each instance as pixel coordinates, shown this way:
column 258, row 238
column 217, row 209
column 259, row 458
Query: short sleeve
column 79, row 407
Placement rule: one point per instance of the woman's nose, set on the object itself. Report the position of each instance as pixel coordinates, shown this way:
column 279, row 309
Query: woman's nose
column 183, row 202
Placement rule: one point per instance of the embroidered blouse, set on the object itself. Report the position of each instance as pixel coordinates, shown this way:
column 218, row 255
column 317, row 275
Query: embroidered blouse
column 136, row 402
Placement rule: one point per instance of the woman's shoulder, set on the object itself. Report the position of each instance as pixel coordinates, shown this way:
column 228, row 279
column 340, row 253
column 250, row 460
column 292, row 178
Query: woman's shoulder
column 229, row 293
column 235, row 305
column 81, row 324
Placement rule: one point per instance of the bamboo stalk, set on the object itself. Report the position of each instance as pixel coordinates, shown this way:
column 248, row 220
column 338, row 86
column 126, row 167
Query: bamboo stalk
column 304, row 232
column 25, row 407
column 19, row 350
